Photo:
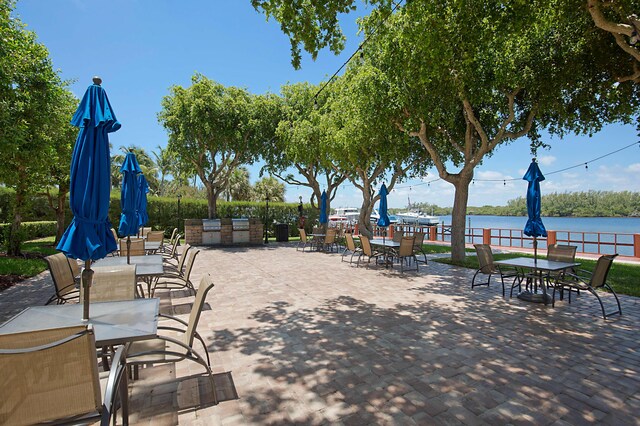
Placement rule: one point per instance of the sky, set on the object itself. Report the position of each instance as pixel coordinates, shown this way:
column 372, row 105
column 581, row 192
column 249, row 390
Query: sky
column 140, row 48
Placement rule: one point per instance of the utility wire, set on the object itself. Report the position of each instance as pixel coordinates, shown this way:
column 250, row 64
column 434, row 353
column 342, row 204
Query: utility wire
column 359, row 49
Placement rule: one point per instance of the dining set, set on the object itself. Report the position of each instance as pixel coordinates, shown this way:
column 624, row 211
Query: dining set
column 560, row 272
column 125, row 330
column 402, row 250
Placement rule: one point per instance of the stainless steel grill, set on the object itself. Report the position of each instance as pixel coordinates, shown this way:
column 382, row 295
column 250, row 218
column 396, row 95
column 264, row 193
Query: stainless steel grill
column 240, row 224
column 211, row 225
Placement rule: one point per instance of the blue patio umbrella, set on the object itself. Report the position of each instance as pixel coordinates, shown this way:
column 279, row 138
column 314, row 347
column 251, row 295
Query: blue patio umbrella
column 323, row 208
column 89, row 236
column 143, row 189
column 382, row 209
column 128, row 198
column 534, row 227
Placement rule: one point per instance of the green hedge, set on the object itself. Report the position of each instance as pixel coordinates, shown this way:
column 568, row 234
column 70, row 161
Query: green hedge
column 29, row 230
column 163, row 211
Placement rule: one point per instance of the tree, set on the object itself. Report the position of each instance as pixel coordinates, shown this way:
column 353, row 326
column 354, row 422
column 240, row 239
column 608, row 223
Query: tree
column 239, row 187
column 301, row 142
column 619, row 19
column 366, row 147
column 29, row 90
column 63, row 136
column 164, row 161
column 147, row 165
column 469, row 76
column 214, row 129
column 269, row 187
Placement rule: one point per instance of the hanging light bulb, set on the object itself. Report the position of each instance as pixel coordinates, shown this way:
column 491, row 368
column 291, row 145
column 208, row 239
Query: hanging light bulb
column 586, row 166
column 504, row 182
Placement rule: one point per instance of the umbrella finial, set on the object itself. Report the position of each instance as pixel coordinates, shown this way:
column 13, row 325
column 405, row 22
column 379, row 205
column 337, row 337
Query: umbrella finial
column 97, row 80
column 534, row 160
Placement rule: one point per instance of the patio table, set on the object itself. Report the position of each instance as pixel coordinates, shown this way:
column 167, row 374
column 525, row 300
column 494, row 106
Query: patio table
column 148, row 267
column 539, row 267
column 114, row 323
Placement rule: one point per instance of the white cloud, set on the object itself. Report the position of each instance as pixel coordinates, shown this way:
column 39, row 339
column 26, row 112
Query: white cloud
column 547, row 160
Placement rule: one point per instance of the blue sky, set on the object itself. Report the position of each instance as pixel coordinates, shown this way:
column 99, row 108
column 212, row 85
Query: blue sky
column 141, row 48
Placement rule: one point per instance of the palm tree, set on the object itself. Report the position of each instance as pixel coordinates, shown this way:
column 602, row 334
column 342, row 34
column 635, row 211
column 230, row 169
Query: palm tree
column 165, row 164
column 269, row 186
column 238, row 186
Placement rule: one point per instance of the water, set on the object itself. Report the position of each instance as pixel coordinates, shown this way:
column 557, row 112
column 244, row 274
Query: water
column 605, row 235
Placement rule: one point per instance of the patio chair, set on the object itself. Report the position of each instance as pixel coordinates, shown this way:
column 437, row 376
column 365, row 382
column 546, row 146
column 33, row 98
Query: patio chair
column 329, row 240
column 591, row 283
column 112, row 283
column 350, row 247
column 52, row 376
column 418, row 244
column 178, row 280
column 179, row 260
column 304, row 241
column 485, row 261
column 365, row 245
column 145, row 230
column 135, row 249
column 166, row 246
column 172, row 252
column 560, row 253
column 63, row 279
column 397, row 236
column 164, row 349
column 406, row 252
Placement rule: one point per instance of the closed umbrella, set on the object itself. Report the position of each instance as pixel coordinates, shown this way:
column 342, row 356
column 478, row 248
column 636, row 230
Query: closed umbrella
column 383, row 220
column 89, row 236
column 323, row 208
column 143, row 189
column 128, row 202
column 534, row 227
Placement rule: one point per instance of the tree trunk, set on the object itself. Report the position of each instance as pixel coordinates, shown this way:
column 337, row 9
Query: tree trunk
column 212, row 200
column 60, row 216
column 458, row 217
column 14, row 240
column 364, row 223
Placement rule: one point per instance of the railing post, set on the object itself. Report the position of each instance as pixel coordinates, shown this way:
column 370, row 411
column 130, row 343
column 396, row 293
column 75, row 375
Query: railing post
column 486, row 236
column 636, row 245
column 355, row 230
column 433, row 233
column 391, row 230
column 552, row 238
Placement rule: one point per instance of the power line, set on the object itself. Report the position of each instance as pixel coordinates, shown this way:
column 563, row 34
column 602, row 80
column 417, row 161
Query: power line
column 359, row 49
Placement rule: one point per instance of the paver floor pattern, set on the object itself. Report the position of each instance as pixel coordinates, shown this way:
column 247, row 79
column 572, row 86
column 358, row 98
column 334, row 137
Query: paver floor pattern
column 304, row 338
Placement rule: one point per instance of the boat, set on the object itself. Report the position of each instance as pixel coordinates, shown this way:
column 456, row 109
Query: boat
column 345, row 214
column 417, row 218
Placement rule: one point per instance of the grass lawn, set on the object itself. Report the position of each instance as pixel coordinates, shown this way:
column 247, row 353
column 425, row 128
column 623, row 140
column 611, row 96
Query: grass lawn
column 32, row 263
column 623, row 278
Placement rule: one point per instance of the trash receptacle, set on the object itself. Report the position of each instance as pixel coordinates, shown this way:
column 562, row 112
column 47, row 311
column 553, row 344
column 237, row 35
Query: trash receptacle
column 282, row 232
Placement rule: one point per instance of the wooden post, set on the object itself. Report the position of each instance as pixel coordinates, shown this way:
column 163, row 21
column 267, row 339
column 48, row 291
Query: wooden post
column 552, row 238
column 636, row 245
column 391, row 230
column 486, row 236
column 433, row 233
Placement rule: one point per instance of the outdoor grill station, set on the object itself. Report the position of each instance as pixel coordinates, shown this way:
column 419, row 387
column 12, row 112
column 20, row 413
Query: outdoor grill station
column 224, row 231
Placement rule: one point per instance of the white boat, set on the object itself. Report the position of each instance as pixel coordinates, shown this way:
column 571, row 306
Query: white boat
column 417, row 218
column 345, row 214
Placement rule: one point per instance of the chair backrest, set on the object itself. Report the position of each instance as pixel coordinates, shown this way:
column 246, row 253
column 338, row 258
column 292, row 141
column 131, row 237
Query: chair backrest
column 192, row 258
column 303, row 235
column 485, row 258
column 365, row 244
column 112, row 283
column 115, row 233
column 183, row 256
column 203, row 288
column 419, row 240
column 155, row 236
column 174, row 245
column 61, row 274
column 173, row 235
column 351, row 245
column 406, row 246
column 48, row 375
column 599, row 276
column 75, row 266
column 145, row 230
column 330, row 237
column 397, row 236
column 136, row 248
column 561, row 253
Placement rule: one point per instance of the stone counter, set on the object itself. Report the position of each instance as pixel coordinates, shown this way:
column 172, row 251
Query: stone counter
column 195, row 236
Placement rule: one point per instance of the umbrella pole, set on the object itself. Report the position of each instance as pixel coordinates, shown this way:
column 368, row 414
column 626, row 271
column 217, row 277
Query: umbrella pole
column 128, row 249
column 87, row 278
column 535, row 250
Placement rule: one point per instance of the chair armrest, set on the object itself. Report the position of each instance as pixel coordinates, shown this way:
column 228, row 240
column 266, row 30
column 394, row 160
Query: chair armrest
column 117, row 381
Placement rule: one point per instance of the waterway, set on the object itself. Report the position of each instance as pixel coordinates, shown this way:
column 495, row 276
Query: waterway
column 604, row 235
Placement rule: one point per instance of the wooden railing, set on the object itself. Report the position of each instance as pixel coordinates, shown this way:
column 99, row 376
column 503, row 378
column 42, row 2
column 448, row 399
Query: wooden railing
column 587, row 242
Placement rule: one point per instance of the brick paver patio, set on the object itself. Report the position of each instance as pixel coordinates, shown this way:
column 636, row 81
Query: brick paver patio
column 305, row 338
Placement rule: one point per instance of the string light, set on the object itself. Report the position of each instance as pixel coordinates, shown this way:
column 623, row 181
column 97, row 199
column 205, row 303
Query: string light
column 586, row 166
